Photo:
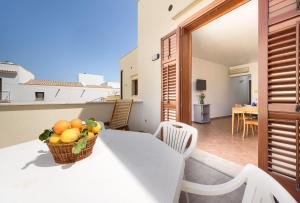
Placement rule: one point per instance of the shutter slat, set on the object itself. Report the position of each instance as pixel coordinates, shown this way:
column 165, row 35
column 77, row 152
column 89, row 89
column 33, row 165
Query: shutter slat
column 284, row 141
column 292, row 156
column 283, row 160
column 169, row 78
column 281, row 135
column 282, row 166
column 282, row 75
column 281, row 172
column 282, row 49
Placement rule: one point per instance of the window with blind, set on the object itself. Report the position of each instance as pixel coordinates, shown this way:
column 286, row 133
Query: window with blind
column 169, row 78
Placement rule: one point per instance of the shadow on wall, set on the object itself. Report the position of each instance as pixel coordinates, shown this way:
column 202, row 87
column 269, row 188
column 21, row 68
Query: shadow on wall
column 21, row 123
column 105, row 114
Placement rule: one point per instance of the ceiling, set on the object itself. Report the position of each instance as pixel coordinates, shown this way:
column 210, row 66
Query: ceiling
column 231, row 39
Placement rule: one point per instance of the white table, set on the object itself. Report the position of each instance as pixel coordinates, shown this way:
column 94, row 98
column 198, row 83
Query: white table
column 124, row 167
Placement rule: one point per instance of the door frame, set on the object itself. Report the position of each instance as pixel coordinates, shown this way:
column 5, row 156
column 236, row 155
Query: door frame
column 211, row 12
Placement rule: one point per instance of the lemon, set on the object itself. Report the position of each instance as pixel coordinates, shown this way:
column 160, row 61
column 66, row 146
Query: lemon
column 95, row 129
column 70, row 135
column 54, row 139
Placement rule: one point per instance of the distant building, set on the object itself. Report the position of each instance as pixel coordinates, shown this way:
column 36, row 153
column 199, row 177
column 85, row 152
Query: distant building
column 90, row 79
column 115, row 85
column 18, row 85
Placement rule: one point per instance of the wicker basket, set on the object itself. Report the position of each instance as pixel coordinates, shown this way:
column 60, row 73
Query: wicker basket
column 62, row 153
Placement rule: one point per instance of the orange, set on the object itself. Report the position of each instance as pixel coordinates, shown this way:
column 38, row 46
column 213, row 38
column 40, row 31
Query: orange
column 60, row 126
column 76, row 123
column 90, row 135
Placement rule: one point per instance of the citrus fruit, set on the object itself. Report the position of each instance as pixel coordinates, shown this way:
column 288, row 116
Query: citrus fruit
column 95, row 129
column 90, row 135
column 70, row 135
column 60, row 126
column 54, row 139
column 76, row 123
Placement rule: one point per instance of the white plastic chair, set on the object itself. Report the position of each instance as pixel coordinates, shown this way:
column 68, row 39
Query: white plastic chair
column 177, row 135
column 260, row 187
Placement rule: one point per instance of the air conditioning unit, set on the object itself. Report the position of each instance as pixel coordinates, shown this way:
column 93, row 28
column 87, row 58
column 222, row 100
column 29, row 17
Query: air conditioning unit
column 238, row 71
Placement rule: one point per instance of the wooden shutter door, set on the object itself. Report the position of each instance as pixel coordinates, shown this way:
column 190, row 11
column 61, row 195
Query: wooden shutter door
column 279, row 97
column 280, row 10
column 170, row 77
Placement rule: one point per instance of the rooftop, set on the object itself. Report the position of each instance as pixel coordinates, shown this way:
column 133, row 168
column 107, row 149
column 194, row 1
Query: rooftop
column 63, row 83
column 53, row 83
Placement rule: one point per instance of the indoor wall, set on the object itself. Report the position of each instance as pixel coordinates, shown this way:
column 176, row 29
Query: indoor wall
column 222, row 92
column 217, row 86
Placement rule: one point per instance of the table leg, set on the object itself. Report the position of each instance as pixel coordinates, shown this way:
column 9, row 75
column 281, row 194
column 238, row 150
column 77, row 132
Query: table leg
column 232, row 123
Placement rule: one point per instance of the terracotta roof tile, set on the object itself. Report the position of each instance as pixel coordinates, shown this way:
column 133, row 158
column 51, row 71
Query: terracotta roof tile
column 53, row 83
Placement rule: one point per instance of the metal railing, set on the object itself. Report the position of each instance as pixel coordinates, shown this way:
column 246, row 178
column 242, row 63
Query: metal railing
column 4, row 96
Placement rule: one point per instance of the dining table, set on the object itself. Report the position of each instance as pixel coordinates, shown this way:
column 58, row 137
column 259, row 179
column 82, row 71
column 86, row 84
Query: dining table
column 240, row 110
column 124, row 167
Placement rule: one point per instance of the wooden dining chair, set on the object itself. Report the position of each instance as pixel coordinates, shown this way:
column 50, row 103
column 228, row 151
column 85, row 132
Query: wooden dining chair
column 239, row 118
column 177, row 136
column 249, row 121
column 120, row 116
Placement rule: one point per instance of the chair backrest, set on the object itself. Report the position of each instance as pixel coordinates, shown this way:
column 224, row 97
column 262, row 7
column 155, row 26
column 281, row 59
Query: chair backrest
column 177, row 135
column 120, row 114
column 261, row 187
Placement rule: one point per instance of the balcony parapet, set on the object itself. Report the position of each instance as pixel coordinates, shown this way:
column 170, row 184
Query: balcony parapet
column 23, row 122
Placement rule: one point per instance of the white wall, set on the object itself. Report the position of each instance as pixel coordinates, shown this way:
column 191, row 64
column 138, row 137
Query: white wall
column 21, row 75
column 151, row 28
column 90, row 79
column 21, row 123
column 24, row 75
column 254, row 81
column 115, row 85
column 154, row 22
column 222, row 92
column 128, row 64
column 22, row 93
column 217, row 86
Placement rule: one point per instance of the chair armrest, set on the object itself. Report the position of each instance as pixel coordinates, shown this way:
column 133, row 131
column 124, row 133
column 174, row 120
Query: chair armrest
column 191, row 148
column 157, row 132
column 221, row 189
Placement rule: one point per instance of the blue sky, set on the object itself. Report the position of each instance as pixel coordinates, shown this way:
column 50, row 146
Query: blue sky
column 56, row 39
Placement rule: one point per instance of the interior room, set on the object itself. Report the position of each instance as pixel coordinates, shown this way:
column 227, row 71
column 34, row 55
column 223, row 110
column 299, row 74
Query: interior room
column 224, row 76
